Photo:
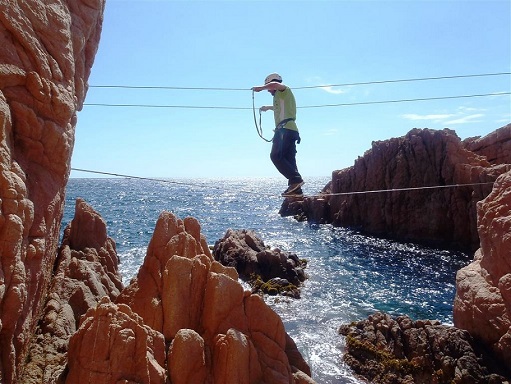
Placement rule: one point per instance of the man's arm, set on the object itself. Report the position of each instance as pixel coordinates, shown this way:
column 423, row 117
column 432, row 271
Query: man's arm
column 274, row 86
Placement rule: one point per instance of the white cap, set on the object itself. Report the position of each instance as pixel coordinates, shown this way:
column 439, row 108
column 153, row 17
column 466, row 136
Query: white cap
column 273, row 77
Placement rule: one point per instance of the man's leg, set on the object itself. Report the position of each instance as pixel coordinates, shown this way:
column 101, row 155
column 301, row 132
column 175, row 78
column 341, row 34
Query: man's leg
column 283, row 154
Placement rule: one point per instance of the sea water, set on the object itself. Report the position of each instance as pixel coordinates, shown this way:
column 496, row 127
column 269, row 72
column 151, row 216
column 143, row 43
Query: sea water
column 349, row 275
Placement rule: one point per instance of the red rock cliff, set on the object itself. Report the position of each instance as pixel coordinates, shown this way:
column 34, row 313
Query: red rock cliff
column 47, row 50
column 483, row 288
column 389, row 199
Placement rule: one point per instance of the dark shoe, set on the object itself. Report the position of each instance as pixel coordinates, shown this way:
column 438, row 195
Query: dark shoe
column 293, row 187
column 295, row 193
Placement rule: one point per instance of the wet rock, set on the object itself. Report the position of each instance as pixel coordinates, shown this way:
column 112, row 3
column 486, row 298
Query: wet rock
column 258, row 264
column 483, row 288
column 385, row 349
column 315, row 210
column 275, row 286
column 374, row 194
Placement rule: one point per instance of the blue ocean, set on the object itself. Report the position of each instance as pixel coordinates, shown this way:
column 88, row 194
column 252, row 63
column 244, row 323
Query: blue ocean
column 350, row 275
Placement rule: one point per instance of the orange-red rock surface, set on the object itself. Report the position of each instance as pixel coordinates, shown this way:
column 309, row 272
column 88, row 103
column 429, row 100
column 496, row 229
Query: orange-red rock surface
column 86, row 271
column 113, row 345
column 483, row 288
column 199, row 307
column 382, row 193
column 185, row 318
column 47, row 50
column 496, row 146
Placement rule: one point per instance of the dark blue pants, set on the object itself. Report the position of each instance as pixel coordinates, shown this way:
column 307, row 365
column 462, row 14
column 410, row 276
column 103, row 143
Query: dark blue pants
column 283, row 154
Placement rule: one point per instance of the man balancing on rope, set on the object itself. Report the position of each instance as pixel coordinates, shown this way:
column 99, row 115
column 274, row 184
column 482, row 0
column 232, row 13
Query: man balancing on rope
column 283, row 150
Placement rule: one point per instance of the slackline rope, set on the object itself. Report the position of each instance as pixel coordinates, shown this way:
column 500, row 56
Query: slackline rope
column 163, row 181
column 402, row 189
column 319, row 195
column 259, row 128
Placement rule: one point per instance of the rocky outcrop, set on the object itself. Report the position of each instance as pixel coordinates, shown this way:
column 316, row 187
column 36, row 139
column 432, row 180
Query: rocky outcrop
column 496, row 146
column 113, row 345
column 398, row 189
column 86, row 270
column 199, row 307
column 48, row 48
column 483, row 288
column 183, row 318
column 268, row 270
column 397, row 350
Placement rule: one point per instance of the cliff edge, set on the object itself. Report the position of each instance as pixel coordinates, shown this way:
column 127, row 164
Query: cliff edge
column 47, row 52
column 422, row 187
column 482, row 304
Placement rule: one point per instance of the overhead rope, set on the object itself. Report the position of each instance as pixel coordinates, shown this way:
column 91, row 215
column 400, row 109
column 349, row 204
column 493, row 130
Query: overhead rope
column 408, row 100
column 259, row 128
column 404, row 80
column 307, row 106
column 304, row 87
column 319, row 195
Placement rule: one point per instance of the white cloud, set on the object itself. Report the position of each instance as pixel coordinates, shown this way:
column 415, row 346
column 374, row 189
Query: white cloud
column 465, row 119
column 317, row 81
column 413, row 116
column 463, row 115
column 470, row 109
column 330, row 89
column 331, row 132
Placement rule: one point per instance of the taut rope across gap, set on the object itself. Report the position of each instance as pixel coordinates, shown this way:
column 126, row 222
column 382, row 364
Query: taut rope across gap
column 401, row 189
column 319, row 195
column 163, row 181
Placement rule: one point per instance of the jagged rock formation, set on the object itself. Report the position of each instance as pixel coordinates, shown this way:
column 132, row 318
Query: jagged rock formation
column 113, row 345
column 443, row 217
column 181, row 296
column 184, row 317
column 483, row 288
column 218, row 332
column 268, row 270
column 389, row 350
column 496, row 147
column 48, row 48
column 86, row 270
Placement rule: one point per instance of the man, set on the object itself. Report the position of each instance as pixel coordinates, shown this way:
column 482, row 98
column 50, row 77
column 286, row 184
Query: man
column 283, row 151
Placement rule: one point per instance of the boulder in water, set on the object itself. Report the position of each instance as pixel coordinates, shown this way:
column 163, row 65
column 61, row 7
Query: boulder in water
column 259, row 264
column 398, row 350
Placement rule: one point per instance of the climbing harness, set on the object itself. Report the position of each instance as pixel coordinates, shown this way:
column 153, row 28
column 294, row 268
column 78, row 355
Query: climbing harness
column 259, row 128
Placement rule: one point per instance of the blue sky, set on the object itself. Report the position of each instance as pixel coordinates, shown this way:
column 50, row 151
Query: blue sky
column 235, row 44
